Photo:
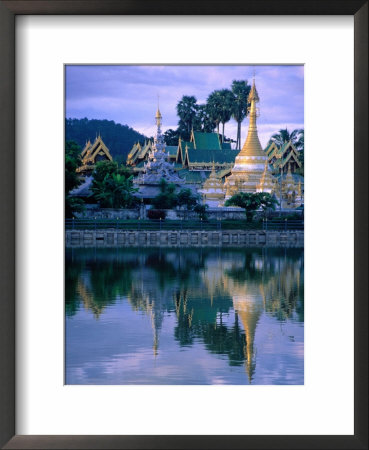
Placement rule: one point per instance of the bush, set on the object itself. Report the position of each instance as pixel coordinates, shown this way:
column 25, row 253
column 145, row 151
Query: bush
column 156, row 214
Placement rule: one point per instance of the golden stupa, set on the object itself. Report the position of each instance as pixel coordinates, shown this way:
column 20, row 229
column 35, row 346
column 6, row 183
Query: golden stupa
column 212, row 189
column 267, row 183
column 289, row 188
column 249, row 165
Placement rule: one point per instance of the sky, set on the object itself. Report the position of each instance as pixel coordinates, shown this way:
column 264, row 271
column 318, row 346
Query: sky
column 129, row 94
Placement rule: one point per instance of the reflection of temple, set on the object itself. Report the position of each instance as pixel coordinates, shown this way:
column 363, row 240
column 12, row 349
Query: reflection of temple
column 249, row 307
column 216, row 297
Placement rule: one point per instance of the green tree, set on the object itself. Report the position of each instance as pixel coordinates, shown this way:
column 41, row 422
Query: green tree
column 214, row 108
column 104, row 168
column 186, row 198
column 251, row 202
column 72, row 162
column 241, row 90
column 203, row 121
column 112, row 185
column 200, row 209
column 167, row 198
column 171, row 137
column 187, row 109
column 227, row 103
column 283, row 136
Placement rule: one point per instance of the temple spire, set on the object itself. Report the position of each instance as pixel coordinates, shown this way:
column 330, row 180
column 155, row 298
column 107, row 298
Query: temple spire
column 158, row 116
column 252, row 146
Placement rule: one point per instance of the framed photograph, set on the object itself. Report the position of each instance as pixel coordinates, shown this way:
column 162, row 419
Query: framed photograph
column 177, row 272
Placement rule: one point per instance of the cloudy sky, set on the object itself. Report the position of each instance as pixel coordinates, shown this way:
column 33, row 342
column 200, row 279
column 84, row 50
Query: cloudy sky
column 128, row 94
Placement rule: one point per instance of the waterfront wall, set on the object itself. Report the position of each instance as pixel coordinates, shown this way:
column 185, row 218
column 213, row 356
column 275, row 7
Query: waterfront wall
column 183, row 238
column 226, row 213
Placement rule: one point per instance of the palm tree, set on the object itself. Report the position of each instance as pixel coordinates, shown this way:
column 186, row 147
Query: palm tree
column 203, row 121
column 283, row 136
column 187, row 109
column 227, row 102
column 241, row 91
column 214, row 108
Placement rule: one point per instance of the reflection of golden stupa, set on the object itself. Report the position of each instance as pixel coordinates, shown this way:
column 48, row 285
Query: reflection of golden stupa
column 248, row 303
column 250, row 162
column 88, row 299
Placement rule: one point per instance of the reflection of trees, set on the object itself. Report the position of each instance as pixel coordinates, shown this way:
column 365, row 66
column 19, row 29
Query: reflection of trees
column 200, row 286
column 72, row 272
column 279, row 279
column 197, row 320
column 284, row 292
column 96, row 281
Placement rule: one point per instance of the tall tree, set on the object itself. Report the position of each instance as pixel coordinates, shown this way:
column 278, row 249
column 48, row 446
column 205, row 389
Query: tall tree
column 214, row 108
column 227, row 101
column 203, row 121
column 171, row 137
column 187, row 109
column 241, row 90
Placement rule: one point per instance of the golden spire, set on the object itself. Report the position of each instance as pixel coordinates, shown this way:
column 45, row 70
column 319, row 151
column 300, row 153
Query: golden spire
column 266, row 182
column 252, row 146
column 158, row 116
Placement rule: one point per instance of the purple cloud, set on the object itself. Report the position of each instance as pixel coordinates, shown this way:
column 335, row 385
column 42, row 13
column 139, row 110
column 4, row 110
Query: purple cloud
column 128, row 94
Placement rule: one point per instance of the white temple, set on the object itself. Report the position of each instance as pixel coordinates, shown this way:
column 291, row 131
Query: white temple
column 158, row 166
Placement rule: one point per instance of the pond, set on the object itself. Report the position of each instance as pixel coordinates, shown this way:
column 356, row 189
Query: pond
column 184, row 316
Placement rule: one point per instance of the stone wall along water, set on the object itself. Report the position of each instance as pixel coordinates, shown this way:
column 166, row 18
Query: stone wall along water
column 183, row 238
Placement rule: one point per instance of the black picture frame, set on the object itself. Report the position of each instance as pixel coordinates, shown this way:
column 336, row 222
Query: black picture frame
column 8, row 11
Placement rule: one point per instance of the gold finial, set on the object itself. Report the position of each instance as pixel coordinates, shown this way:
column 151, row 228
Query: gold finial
column 158, row 116
column 252, row 146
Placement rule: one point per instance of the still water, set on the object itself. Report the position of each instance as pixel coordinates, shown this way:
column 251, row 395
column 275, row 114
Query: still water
column 184, row 316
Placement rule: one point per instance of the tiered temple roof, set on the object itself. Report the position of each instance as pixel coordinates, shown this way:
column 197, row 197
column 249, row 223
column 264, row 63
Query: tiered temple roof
column 281, row 158
column 93, row 153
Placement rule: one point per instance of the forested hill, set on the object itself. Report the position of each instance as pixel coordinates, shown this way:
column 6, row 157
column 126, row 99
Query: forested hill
column 118, row 138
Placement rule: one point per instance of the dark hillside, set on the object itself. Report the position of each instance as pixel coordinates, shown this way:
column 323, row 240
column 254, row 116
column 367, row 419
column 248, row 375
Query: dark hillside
column 118, row 138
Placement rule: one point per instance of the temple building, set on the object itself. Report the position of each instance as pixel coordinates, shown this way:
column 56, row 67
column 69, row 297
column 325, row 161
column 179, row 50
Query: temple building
column 291, row 192
column 92, row 154
column 267, row 181
column 281, row 158
column 212, row 190
column 251, row 164
column 157, row 166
